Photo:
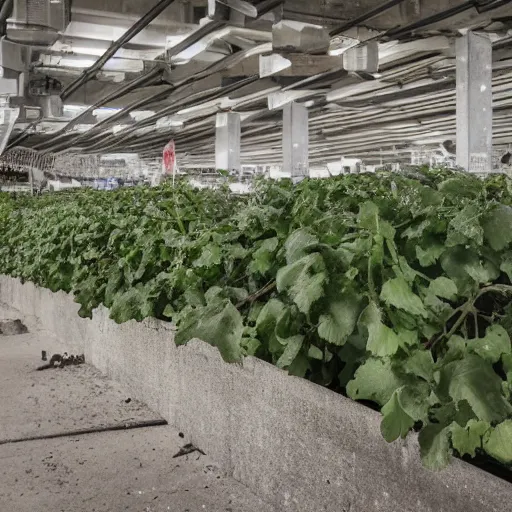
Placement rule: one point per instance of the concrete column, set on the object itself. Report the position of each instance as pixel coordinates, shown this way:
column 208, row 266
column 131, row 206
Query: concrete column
column 227, row 141
column 474, row 103
column 295, row 140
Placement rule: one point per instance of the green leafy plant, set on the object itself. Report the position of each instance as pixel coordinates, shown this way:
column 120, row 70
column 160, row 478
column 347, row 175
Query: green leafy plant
column 394, row 289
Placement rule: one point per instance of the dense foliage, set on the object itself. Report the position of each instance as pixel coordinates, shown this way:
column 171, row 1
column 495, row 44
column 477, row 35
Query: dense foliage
column 392, row 289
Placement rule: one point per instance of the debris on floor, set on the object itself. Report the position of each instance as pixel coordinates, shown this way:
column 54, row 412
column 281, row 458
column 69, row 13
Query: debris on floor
column 60, row 361
column 12, row 327
column 187, row 449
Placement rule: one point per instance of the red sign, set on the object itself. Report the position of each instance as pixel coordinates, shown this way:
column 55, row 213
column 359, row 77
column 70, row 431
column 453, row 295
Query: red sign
column 169, row 158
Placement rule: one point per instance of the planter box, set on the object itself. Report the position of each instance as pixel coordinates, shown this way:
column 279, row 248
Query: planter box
column 295, row 444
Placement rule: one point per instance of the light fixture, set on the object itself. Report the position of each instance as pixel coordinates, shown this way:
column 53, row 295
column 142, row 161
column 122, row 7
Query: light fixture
column 76, row 63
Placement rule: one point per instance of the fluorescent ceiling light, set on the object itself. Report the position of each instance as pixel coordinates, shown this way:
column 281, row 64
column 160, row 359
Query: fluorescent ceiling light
column 140, row 115
column 105, row 110
column 76, row 63
column 75, row 108
column 119, row 128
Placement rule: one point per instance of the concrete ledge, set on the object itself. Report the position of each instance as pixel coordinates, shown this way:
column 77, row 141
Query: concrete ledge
column 297, row 445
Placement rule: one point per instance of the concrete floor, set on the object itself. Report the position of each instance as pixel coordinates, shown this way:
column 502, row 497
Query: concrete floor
column 110, row 471
column 50, row 402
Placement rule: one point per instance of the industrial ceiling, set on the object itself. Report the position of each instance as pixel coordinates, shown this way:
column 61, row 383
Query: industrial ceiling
column 118, row 76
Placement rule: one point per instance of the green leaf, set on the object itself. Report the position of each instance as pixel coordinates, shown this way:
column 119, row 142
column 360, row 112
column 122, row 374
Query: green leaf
column 465, row 227
column 506, row 265
column 498, row 442
column 444, row 287
column 507, row 363
column 289, row 275
column 195, row 297
column 368, row 217
column 293, row 346
column 414, row 400
column 306, row 291
column 263, row 257
column 382, row 340
column 416, row 230
column 128, row 306
column 474, row 380
column 375, row 380
column 496, row 227
column 495, row 343
column 466, row 440
column 298, row 244
column 435, row 446
column 407, row 337
column 483, row 273
column 405, row 270
column 442, row 310
column 219, row 325
column 397, row 292
column 340, row 321
column 457, row 347
column 300, row 366
column 396, row 422
column 464, row 267
column 168, row 311
column 210, row 256
column 237, row 251
column 450, row 412
column 114, row 283
column 147, row 259
column 428, row 257
column 304, row 288
column 315, row 353
column 420, row 363
column 268, row 317
column 288, row 324
column 250, row 346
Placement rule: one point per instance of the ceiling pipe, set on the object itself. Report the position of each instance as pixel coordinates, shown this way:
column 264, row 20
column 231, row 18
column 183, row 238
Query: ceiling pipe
column 5, row 11
column 364, row 17
column 425, row 22
column 91, row 72
column 172, row 109
column 215, row 67
column 147, row 79
column 194, row 37
column 205, row 30
column 61, row 141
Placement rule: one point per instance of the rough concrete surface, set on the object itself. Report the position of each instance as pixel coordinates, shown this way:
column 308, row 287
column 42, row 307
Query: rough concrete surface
column 114, row 472
column 55, row 401
column 298, row 445
column 110, row 471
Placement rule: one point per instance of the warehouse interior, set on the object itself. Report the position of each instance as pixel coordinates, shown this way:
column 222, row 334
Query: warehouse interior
column 285, row 84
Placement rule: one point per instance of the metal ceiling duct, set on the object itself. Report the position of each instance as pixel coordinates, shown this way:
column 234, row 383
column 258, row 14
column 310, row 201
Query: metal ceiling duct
column 37, row 22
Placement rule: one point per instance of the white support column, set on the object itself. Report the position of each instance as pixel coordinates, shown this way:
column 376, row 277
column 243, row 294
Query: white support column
column 474, row 103
column 227, row 141
column 295, row 140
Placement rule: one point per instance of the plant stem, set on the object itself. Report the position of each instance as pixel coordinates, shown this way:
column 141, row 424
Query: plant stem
column 466, row 309
column 255, row 296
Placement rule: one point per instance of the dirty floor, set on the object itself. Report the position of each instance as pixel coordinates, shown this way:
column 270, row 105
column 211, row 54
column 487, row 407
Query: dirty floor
column 47, row 466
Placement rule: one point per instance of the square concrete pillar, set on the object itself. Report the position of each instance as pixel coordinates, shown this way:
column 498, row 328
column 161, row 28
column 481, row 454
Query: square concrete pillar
column 227, row 141
column 362, row 58
column 474, row 103
column 295, row 140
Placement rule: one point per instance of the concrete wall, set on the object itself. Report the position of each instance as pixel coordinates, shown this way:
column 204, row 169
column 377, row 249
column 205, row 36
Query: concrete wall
column 295, row 444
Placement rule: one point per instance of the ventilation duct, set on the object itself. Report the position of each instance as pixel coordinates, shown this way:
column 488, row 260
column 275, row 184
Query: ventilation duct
column 37, row 22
